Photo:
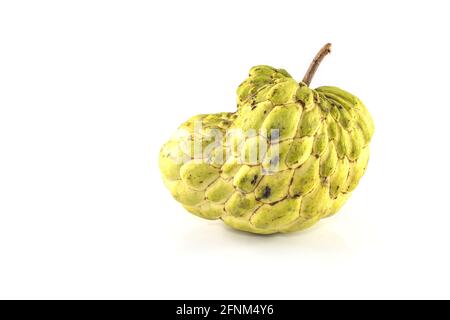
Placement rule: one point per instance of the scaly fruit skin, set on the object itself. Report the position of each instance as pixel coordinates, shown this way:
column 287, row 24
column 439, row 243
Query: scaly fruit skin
column 322, row 151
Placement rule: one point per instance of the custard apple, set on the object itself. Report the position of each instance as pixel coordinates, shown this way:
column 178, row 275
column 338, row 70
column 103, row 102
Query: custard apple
column 289, row 156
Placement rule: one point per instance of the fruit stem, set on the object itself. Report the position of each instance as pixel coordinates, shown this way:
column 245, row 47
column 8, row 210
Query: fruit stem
column 326, row 49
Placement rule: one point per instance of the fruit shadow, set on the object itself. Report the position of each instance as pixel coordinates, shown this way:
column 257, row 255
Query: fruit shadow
column 216, row 237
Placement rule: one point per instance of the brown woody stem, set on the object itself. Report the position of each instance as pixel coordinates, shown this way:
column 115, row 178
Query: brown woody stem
column 326, row 49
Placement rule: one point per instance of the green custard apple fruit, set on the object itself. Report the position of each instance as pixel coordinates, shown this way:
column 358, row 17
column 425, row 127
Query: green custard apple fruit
column 289, row 156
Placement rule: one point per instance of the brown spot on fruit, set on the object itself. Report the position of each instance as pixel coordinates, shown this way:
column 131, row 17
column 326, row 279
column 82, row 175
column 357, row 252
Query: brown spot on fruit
column 266, row 193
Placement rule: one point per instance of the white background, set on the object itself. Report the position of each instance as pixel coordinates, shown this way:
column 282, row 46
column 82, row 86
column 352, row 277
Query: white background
column 90, row 90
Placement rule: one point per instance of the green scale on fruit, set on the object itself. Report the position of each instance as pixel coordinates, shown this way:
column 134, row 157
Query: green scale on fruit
column 320, row 148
